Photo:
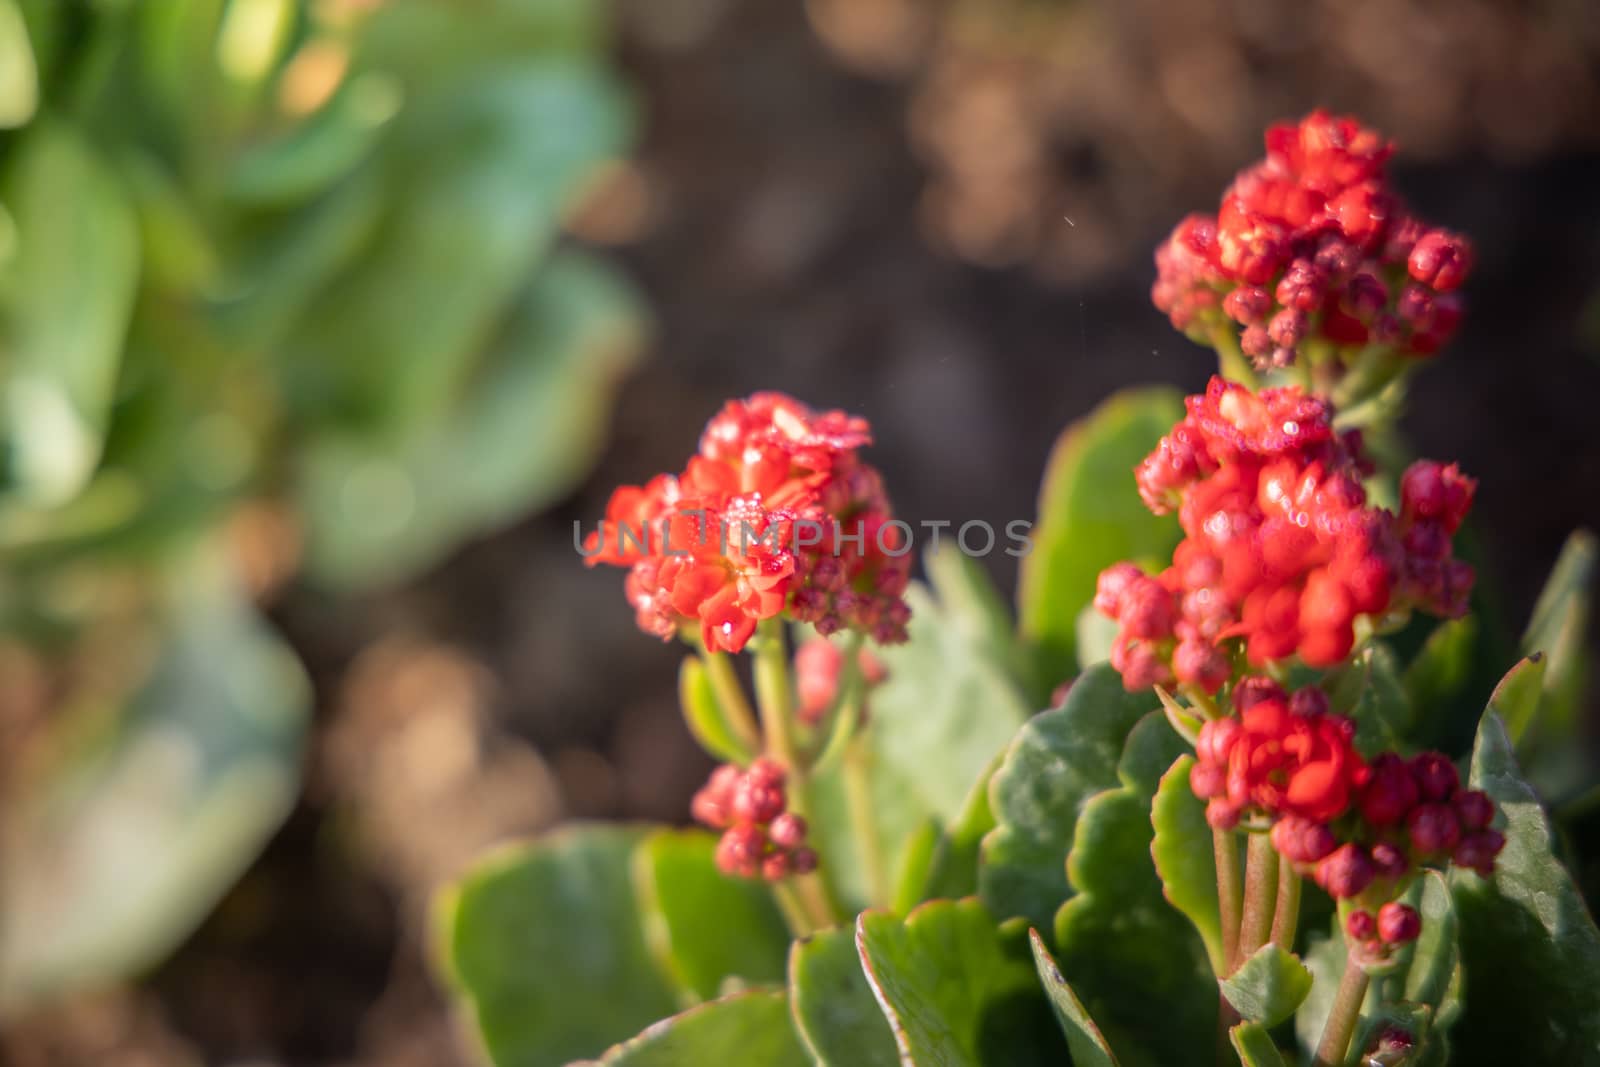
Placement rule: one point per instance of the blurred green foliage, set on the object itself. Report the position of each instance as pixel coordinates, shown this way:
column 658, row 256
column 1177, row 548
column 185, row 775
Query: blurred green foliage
column 281, row 251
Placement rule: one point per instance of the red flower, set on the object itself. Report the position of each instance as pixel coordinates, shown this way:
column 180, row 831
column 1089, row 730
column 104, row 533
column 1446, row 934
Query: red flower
column 776, row 514
column 1303, row 240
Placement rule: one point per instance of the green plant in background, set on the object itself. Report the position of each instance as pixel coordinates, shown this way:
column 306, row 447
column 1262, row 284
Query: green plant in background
column 261, row 257
column 1266, row 817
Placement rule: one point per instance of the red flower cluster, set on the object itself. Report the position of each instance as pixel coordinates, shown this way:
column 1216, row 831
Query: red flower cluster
column 759, row 838
column 817, row 666
column 1282, row 756
column 775, row 513
column 1355, row 827
column 1311, row 243
column 1281, row 549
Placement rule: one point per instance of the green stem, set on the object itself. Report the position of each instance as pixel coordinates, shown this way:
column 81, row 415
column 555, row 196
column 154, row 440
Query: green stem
column 857, row 772
column 794, row 911
column 1226, row 848
column 775, row 706
column 1286, row 918
column 1335, row 1043
column 775, row 702
column 730, row 695
column 1231, row 359
column 1260, row 896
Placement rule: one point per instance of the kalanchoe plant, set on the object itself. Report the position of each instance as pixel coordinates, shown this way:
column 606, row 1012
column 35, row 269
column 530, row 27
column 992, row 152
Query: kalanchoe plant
column 1240, row 833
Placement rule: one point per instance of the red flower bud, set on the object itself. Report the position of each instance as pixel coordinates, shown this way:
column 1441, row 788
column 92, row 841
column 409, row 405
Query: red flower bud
column 1253, row 690
column 1389, row 862
column 1222, row 814
column 1200, row 663
column 1208, row 780
column 766, row 772
column 803, row 860
column 1147, row 609
column 1398, row 923
column 1216, row 739
column 1440, row 259
column 788, row 831
column 1308, row 700
column 755, row 802
column 740, row 851
column 776, row 867
column 1436, row 776
column 1478, row 851
column 1345, row 873
column 1301, row 840
column 1113, row 582
column 1474, row 808
column 1359, row 925
column 1434, row 828
column 1390, row 792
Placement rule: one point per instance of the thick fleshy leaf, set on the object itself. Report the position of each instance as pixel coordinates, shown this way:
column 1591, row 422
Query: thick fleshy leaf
column 705, row 716
column 1552, row 750
column 1382, row 713
column 955, row 867
column 480, row 170
column 1087, row 1044
column 1268, row 986
column 837, row 1016
column 1529, row 948
column 704, row 926
column 1122, row 946
column 1518, row 696
column 957, row 993
column 1057, row 762
column 743, row 1028
column 1255, row 1046
column 66, row 294
column 155, row 807
column 1440, row 674
column 19, row 74
column 543, row 942
column 1185, row 858
column 526, row 429
column 1090, row 516
column 952, row 700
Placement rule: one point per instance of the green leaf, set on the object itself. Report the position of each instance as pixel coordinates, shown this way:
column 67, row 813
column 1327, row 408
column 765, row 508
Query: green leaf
column 19, row 76
column 955, row 869
column 319, row 151
column 704, row 715
column 544, row 944
column 479, row 173
column 1437, row 678
column 66, row 295
column 1058, row 760
column 1382, row 714
column 1121, row 945
column 834, row 1009
column 956, row 993
column 1433, row 976
column 918, row 859
column 1090, row 516
column 743, row 1028
column 1087, row 1044
column 951, row 701
column 1516, row 699
column 156, row 805
column 1185, row 858
column 527, row 429
column 1553, row 750
column 704, row 926
column 1255, row 1046
column 1529, row 948
column 1268, row 986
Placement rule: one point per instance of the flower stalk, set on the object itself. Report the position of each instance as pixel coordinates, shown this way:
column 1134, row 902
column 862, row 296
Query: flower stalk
column 1226, row 849
column 1342, row 1017
column 1286, row 916
column 1260, row 895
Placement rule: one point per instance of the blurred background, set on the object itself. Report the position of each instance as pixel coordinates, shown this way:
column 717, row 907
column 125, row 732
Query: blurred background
column 321, row 322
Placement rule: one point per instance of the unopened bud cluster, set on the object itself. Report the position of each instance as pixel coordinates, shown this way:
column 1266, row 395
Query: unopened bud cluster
column 722, row 553
column 1312, row 247
column 760, row 837
column 1282, row 552
column 1361, row 830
